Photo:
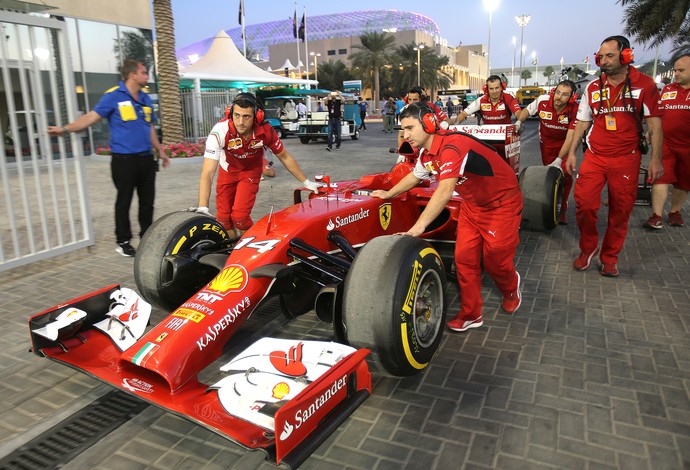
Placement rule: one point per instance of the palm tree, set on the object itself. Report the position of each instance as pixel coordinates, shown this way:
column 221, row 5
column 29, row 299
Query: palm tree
column 168, row 78
column 332, row 74
column 373, row 54
column 432, row 77
column 655, row 21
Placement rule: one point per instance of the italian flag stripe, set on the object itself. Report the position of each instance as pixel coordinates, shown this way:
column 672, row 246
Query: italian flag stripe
column 144, row 353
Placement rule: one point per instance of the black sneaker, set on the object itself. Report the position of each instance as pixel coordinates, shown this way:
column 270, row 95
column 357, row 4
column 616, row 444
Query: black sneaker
column 125, row 249
column 328, row 148
column 337, row 147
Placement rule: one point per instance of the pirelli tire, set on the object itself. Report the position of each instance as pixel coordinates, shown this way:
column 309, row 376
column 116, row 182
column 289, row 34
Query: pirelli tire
column 177, row 233
column 542, row 192
column 394, row 302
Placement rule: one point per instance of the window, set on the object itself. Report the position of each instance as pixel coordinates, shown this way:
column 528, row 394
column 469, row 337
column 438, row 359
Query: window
column 331, row 52
column 342, row 51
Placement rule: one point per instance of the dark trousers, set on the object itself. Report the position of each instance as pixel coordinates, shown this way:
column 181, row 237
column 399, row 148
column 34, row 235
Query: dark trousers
column 334, row 127
column 362, row 116
column 130, row 172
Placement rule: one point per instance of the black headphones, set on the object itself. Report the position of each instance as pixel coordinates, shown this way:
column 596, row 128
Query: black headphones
column 627, row 56
column 243, row 99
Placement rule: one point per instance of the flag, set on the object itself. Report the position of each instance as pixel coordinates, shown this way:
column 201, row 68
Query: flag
column 302, row 27
column 241, row 15
column 586, row 61
column 294, row 24
column 535, row 61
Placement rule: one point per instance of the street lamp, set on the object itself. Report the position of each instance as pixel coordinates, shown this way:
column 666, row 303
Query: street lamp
column 419, row 48
column 316, row 65
column 490, row 6
column 522, row 53
column 522, row 21
column 512, row 69
column 536, row 67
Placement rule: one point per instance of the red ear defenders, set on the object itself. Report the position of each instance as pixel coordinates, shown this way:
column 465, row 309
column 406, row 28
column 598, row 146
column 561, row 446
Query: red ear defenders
column 627, row 55
column 493, row 78
column 258, row 109
column 573, row 95
column 427, row 117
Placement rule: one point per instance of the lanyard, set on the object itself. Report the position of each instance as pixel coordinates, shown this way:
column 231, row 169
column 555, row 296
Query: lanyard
column 609, row 105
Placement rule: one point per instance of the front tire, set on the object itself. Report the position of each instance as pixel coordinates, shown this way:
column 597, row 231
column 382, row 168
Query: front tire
column 542, row 191
column 304, row 139
column 355, row 136
column 178, row 235
column 394, row 302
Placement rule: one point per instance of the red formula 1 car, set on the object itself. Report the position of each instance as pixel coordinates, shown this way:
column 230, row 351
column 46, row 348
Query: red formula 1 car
column 333, row 253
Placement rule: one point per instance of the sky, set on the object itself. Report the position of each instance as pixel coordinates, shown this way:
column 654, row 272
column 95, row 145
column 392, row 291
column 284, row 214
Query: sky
column 571, row 30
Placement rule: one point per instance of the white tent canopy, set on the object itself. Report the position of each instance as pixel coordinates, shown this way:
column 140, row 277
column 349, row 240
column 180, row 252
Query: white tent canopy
column 224, row 62
column 287, row 65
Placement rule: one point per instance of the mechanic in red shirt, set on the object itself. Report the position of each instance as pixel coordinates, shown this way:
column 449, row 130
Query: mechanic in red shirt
column 494, row 107
column 490, row 212
column 416, row 94
column 556, row 113
column 613, row 106
column 675, row 102
column 237, row 145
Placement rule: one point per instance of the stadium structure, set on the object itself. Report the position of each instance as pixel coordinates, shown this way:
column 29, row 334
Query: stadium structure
column 332, row 36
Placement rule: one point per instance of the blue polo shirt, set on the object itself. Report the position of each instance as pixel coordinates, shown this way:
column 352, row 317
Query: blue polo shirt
column 129, row 119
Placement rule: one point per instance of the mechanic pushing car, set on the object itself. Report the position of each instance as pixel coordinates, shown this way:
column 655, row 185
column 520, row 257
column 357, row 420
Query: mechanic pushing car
column 237, row 143
column 490, row 212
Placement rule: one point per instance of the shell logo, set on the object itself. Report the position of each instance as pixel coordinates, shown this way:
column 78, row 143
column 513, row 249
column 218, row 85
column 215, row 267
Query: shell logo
column 669, row 95
column 280, row 390
column 231, row 279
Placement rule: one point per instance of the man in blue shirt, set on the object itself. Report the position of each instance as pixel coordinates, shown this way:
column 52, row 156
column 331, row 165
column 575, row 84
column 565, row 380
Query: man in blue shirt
column 129, row 112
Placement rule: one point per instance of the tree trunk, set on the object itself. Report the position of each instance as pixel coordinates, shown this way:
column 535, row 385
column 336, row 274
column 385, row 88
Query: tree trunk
column 168, row 78
column 377, row 93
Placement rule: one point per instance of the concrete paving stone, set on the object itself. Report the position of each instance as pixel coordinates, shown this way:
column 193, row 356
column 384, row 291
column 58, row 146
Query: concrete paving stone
column 625, row 412
column 414, row 417
column 523, row 391
column 354, row 432
column 434, row 392
column 374, row 404
column 619, row 444
column 443, row 410
column 384, row 425
column 634, row 462
column 173, row 424
column 634, row 384
column 652, row 437
column 509, row 462
column 169, row 460
column 482, row 450
column 683, row 446
column 543, row 432
column 592, row 453
column 140, row 449
column 463, row 386
column 599, row 418
column 595, row 399
column 554, row 457
column 663, row 458
column 446, row 433
column 505, row 417
column 497, row 397
column 477, row 425
column 512, row 441
column 416, row 440
column 651, row 404
column 386, row 449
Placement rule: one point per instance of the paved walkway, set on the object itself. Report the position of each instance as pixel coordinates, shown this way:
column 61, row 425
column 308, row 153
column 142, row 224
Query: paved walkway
column 591, row 373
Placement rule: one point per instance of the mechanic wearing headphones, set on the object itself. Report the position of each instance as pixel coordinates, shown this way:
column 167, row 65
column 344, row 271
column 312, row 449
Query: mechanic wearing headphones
column 237, row 144
column 490, row 214
column 494, row 107
column 613, row 106
column 416, row 94
column 556, row 112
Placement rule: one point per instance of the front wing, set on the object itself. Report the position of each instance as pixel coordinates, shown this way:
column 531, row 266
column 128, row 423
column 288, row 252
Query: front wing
column 283, row 396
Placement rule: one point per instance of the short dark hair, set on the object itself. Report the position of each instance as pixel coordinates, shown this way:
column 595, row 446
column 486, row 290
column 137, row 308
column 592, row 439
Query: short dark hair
column 420, row 91
column 493, row 78
column 415, row 110
column 129, row 66
column 568, row 83
column 247, row 100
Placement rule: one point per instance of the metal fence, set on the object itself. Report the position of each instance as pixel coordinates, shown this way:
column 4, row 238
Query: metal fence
column 44, row 203
column 201, row 110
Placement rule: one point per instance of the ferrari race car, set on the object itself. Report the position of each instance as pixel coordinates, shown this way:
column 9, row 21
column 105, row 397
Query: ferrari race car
column 334, row 253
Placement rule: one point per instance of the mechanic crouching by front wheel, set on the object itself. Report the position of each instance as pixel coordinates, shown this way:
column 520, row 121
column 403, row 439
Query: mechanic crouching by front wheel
column 237, row 143
column 490, row 213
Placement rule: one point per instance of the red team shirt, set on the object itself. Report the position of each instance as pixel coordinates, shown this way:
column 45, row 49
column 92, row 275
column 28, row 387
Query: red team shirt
column 624, row 140
column 553, row 126
column 236, row 154
column 484, row 179
column 675, row 103
column 495, row 114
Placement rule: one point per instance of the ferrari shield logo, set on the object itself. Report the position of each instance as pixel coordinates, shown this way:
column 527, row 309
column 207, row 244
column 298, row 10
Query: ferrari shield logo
column 385, row 215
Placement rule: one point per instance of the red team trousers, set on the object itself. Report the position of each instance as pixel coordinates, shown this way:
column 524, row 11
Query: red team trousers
column 235, row 197
column 621, row 174
column 493, row 234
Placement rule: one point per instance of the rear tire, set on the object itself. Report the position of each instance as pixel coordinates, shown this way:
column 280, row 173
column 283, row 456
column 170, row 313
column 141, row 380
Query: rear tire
column 542, row 191
column 394, row 302
column 177, row 233
column 304, row 139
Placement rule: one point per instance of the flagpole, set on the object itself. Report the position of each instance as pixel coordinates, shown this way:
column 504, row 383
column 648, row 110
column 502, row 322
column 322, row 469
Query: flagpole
column 244, row 38
column 306, row 42
column 299, row 67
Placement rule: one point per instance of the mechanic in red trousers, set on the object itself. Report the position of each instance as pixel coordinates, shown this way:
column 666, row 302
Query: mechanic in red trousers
column 675, row 102
column 490, row 213
column 613, row 106
column 494, row 107
column 237, row 145
column 556, row 113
